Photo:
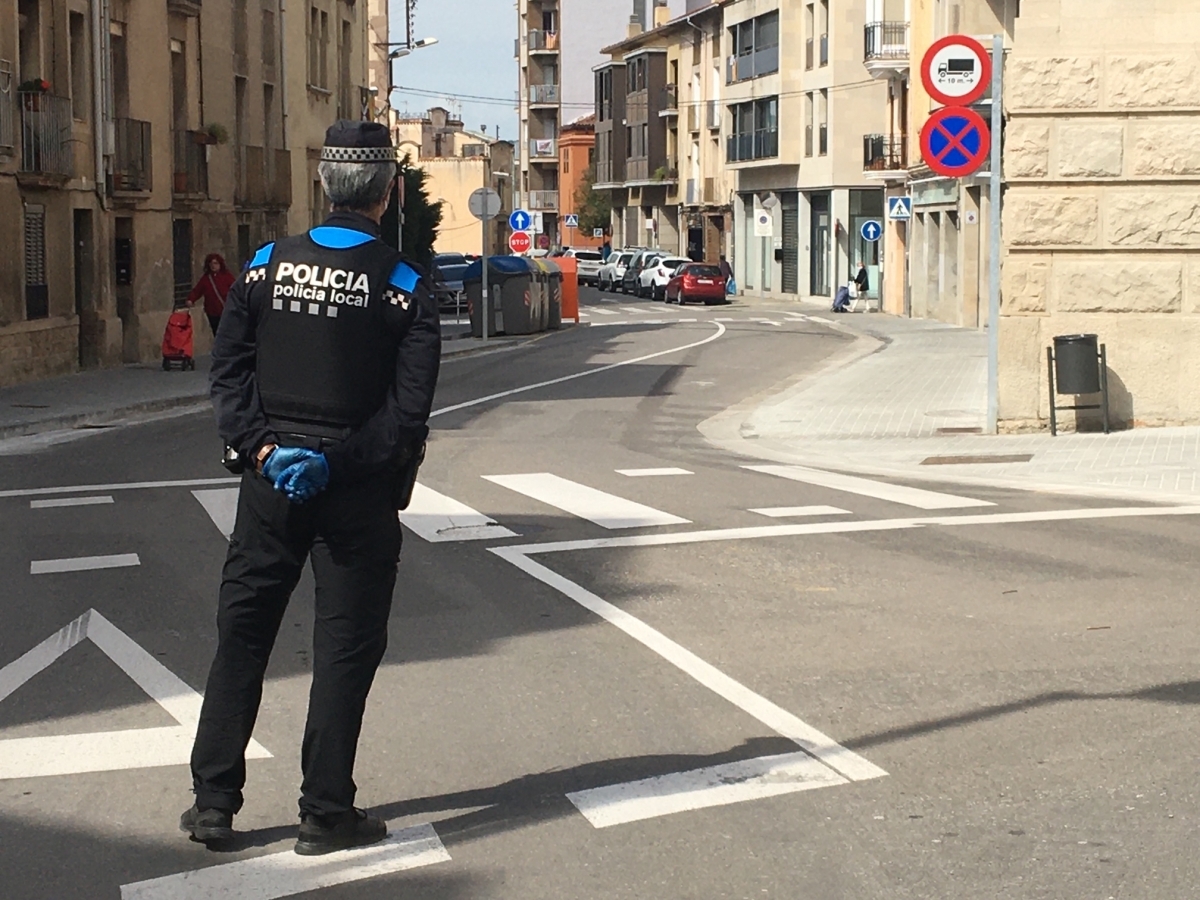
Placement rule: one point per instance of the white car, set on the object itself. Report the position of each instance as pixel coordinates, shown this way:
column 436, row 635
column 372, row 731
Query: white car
column 613, row 271
column 589, row 264
column 652, row 282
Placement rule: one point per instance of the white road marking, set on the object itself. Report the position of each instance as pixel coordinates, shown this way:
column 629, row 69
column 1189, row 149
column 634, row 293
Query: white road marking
column 441, row 519
column 286, row 874
column 606, row 510
column 70, row 501
column 130, row 486
column 725, row 320
column 606, row 312
column 110, row 750
column 737, row 782
column 608, row 323
column 635, row 310
column 221, row 506
column 795, row 512
column 812, row 741
column 588, row 372
column 852, row 484
column 83, row 563
column 688, row 320
column 651, row 473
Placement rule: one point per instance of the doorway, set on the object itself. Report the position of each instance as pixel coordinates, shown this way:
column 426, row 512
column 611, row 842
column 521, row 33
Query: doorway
column 181, row 245
column 790, row 201
column 85, row 285
column 819, row 244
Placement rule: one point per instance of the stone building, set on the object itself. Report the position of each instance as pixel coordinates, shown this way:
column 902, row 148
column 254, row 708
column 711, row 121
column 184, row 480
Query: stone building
column 459, row 162
column 1102, row 211
column 135, row 139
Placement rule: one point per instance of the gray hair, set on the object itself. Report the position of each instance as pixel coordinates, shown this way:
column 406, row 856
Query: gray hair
column 356, row 186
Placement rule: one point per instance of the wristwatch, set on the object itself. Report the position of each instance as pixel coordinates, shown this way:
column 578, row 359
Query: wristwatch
column 260, row 458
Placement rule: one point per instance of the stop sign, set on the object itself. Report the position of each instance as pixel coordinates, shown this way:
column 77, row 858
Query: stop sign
column 520, row 242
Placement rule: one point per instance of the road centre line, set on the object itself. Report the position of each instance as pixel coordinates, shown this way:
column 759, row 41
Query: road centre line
column 70, row 501
column 795, row 512
column 812, row 741
column 604, row 509
column 773, row 531
column 736, row 782
column 541, row 384
column 83, row 563
column 866, row 487
column 131, row 486
column 286, row 874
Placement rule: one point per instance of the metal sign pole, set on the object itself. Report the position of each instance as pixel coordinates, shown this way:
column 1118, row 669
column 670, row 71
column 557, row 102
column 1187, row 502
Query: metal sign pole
column 487, row 310
column 993, row 422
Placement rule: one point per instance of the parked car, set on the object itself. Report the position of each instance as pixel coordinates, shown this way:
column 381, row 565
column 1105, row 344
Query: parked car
column 613, row 271
column 447, row 275
column 589, row 265
column 652, row 282
column 633, row 272
column 696, row 281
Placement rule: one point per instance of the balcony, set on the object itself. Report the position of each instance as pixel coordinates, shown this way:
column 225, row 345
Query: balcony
column 669, row 101
column 46, row 147
column 761, row 144
column 885, row 49
column 543, row 42
column 885, row 154
column 544, row 94
column 543, row 150
column 543, row 201
column 131, row 157
column 190, row 172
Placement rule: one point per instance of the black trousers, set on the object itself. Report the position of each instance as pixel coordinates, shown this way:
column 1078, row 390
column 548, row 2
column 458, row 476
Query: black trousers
column 353, row 536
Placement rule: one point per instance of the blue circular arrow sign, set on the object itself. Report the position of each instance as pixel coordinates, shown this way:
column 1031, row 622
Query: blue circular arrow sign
column 871, row 231
column 520, row 220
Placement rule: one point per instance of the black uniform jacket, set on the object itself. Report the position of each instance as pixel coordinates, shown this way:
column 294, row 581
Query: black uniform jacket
column 384, row 436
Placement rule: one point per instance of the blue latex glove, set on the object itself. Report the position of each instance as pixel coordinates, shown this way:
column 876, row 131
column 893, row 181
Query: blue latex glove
column 280, row 459
column 304, row 480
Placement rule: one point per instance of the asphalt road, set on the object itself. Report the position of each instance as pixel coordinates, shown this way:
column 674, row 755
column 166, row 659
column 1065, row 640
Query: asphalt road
column 727, row 683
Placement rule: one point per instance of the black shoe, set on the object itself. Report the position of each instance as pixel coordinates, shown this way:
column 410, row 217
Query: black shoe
column 326, row 834
column 207, row 825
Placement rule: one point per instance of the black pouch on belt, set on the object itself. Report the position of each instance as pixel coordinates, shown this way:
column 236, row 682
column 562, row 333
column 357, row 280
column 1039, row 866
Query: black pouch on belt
column 406, row 477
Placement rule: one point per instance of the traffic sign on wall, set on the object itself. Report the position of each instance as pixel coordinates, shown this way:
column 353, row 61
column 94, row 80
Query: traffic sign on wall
column 955, row 141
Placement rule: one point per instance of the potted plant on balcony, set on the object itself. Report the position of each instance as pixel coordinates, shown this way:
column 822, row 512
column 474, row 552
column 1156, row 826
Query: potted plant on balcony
column 213, row 133
column 31, row 92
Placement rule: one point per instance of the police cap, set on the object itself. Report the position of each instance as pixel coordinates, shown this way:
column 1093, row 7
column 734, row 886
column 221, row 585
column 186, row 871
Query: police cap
column 356, row 142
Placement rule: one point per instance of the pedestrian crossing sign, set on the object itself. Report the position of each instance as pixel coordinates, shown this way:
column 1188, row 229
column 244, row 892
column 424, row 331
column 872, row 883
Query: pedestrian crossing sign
column 571, row 220
column 900, row 209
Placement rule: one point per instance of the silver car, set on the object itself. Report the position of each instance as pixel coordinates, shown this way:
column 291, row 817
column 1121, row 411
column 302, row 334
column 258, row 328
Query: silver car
column 613, row 271
column 589, row 265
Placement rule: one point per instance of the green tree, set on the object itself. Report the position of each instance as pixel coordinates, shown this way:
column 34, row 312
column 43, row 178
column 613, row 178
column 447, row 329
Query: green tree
column 422, row 217
column 594, row 207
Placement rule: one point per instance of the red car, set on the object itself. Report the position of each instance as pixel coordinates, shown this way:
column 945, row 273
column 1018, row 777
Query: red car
column 696, row 281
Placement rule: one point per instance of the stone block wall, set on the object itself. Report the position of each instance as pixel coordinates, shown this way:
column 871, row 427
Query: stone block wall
column 1102, row 205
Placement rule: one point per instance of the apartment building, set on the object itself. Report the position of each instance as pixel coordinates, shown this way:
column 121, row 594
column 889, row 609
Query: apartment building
column 577, row 151
column 1102, row 211
column 458, row 162
column 135, row 139
column 539, row 106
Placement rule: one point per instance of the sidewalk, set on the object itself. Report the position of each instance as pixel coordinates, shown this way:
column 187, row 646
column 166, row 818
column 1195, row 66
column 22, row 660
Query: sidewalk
column 891, row 405
column 107, row 396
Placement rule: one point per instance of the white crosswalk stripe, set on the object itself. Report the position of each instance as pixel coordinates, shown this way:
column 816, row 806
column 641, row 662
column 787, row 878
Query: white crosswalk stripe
column 441, row 519
column 865, row 487
column 606, row 312
column 606, row 510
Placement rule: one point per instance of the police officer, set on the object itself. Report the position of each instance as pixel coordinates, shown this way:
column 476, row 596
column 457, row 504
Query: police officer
column 323, row 376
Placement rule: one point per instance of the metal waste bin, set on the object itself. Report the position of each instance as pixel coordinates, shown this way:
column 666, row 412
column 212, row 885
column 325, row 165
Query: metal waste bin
column 508, row 288
column 1077, row 363
column 552, row 313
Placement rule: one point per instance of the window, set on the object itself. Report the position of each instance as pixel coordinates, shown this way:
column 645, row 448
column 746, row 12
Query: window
column 824, row 32
column 810, row 104
column 823, row 123
column 637, row 75
column 566, row 161
column 810, row 29
column 241, row 25
column 754, row 130
column 270, row 44
column 604, row 98
column 755, row 48
column 37, row 297
column 80, row 68
column 318, row 48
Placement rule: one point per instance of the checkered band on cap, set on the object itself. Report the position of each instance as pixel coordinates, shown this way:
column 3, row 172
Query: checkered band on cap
column 358, row 154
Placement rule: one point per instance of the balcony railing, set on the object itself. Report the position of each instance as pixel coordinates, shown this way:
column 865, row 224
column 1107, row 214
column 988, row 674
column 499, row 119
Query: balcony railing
column 543, row 200
column 190, row 174
column 752, row 145
column 808, row 53
column 543, row 149
column 883, row 153
column 823, row 140
column 669, row 99
column 885, row 40
column 46, row 147
column 543, row 93
column 131, row 156
column 763, row 61
column 543, row 41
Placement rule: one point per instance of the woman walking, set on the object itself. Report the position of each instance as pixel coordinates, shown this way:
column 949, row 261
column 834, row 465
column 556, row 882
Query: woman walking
column 214, row 287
